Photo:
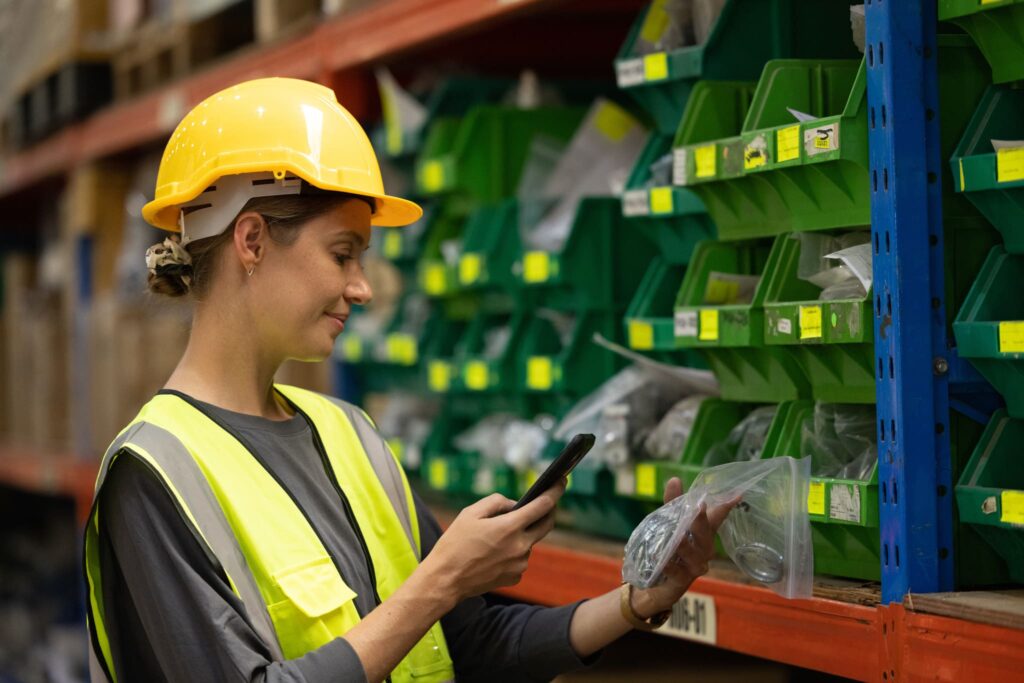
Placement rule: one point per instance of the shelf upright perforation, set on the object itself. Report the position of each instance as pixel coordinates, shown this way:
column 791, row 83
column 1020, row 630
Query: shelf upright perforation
column 915, row 484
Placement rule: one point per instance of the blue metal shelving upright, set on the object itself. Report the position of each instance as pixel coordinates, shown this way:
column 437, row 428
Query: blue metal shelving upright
column 915, row 486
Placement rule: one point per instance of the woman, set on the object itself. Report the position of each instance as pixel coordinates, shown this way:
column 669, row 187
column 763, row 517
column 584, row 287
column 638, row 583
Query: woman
column 244, row 530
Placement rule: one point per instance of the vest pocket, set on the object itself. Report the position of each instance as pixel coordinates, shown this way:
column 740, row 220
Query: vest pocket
column 313, row 611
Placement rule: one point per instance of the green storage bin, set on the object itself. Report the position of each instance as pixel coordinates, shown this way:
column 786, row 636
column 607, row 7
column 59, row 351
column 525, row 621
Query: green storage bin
column 997, row 26
column 495, row 371
column 990, row 327
column 452, row 97
column 479, row 158
column 990, row 492
column 548, row 365
column 591, row 505
column 599, row 266
column 649, row 325
column 746, row 34
column 673, row 218
column 490, row 246
column 833, row 340
column 780, row 176
column 438, row 347
column 994, row 181
column 403, row 246
column 844, row 512
column 731, row 336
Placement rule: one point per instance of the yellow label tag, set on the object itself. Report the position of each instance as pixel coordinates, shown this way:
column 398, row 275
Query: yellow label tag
column 402, row 349
column 661, row 200
column 1009, row 164
column 704, row 158
column 1012, row 508
column 352, row 348
column 397, row 448
column 439, row 375
column 539, row 374
column 1011, row 337
column 646, row 480
column 787, row 143
column 990, row 2
column 435, row 279
column 961, row 163
column 655, row 23
column 432, row 176
column 392, row 244
column 613, row 121
column 470, row 266
column 708, row 324
column 568, row 481
column 816, row 498
column 437, row 474
column 753, row 157
column 822, row 142
column 656, row 67
column 641, row 335
column 537, row 266
column 810, row 322
column 477, row 375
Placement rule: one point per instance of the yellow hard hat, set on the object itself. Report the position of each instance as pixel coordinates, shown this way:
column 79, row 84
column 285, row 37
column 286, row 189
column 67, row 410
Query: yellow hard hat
column 282, row 128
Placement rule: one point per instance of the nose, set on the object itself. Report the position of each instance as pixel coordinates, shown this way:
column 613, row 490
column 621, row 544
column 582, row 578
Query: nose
column 358, row 290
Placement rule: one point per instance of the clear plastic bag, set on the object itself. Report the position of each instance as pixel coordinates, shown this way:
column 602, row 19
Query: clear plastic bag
column 815, row 267
column 622, row 412
column 504, row 438
column 668, row 439
column 745, row 440
column 839, row 440
column 767, row 534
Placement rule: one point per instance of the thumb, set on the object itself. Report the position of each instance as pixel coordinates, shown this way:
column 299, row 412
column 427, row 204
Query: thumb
column 673, row 489
column 492, row 505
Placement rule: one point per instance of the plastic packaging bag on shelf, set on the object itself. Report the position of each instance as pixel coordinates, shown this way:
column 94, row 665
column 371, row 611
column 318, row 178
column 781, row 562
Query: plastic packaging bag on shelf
column 767, row 534
column 403, row 113
column 667, row 26
column 622, row 412
column 745, row 441
column 596, row 162
column 504, row 438
column 563, row 323
column 839, row 265
column 415, row 311
column 495, row 341
column 858, row 26
column 661, row 172
column 668, row 439
column 839, row 440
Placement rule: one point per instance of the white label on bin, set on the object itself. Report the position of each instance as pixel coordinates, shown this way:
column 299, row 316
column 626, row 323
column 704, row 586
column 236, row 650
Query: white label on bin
column 635, row 203
column 625, row 481
column 693, row 618
column 629, row 72
column 785, row 326
column 686, row 323
column 680, row 171
column 844, row 503
column 821, row 139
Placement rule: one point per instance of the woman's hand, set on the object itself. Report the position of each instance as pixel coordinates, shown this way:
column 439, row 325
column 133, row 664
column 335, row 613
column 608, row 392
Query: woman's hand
column 690, row 560
column 487, row 546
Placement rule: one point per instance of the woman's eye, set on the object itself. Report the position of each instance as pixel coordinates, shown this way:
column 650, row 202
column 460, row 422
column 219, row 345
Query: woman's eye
column 342, row 259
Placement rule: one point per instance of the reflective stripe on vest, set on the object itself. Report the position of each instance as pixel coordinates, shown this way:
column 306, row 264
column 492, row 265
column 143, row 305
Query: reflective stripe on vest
column 276, row 564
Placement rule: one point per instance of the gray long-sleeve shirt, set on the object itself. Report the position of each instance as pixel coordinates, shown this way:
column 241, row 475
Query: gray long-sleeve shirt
column 172, row 616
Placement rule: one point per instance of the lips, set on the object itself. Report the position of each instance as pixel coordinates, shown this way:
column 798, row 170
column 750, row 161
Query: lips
column 339, row 319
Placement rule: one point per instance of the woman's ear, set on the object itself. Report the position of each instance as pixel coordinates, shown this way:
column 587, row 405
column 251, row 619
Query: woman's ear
column 250, row 239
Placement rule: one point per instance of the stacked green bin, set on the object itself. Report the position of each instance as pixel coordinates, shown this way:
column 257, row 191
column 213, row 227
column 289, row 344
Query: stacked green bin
column 480, row 156
column 478, row 371
column 746, row 34
column 833, row 340
column 779, row 175
column 732, row 336
column 490, row 245
column 990, row 327
column 994, row 180
column 844, row 512
column 990, row 492
column 997, row 26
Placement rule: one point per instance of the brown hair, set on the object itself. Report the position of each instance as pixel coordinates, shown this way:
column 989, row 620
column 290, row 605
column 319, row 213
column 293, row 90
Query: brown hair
column 285, row 216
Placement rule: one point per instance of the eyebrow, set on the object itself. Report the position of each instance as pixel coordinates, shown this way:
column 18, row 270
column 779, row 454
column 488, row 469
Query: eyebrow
column 350, row 235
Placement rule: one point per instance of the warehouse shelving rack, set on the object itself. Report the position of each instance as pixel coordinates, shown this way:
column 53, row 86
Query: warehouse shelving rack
column 913, row 628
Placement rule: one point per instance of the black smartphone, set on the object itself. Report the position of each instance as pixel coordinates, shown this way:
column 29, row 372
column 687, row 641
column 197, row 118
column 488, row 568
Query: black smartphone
column 561, row 467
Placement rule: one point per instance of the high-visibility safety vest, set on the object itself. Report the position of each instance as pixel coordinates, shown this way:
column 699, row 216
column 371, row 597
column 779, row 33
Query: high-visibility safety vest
column 259, row 536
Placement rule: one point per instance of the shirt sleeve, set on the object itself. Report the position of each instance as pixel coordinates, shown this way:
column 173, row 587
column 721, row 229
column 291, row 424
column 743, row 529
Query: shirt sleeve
column 499, row 643
column 170, row 613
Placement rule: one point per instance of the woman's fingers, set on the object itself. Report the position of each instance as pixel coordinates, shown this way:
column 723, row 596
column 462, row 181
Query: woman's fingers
column 673, row 489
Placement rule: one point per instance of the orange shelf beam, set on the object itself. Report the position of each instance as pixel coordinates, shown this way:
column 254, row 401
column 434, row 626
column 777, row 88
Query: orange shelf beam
column 379, row 30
